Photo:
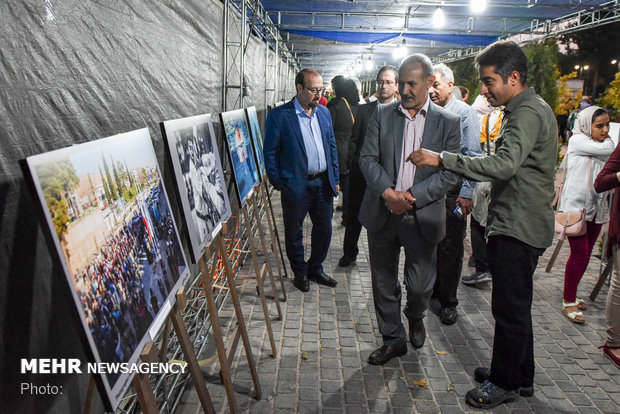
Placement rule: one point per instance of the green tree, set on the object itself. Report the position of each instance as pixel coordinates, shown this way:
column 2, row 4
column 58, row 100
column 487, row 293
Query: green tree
column 543, row 69
column 106, row 189
column 108, row 176
column 119, row 182
column 57, row 180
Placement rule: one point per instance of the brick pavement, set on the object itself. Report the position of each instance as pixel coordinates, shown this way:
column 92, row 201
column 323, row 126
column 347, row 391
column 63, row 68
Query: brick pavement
column 326, row 335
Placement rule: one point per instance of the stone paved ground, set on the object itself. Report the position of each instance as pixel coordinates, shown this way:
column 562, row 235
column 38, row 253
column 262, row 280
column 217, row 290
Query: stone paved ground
column 326, row 335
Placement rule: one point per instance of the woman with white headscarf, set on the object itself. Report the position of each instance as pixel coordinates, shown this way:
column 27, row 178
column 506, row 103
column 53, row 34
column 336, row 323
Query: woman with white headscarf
column 588, row 150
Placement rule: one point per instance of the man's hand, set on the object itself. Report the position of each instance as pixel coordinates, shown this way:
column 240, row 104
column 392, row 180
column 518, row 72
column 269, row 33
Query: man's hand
column 398, row 202
column 337, row 188
column 466, row 205
column 424, row 157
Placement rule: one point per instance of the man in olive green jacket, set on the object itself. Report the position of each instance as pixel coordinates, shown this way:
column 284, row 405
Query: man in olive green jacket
column 521, row 220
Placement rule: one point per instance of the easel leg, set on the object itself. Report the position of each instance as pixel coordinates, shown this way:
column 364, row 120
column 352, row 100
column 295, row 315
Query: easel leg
column 240, row 320
column 261, row 234
column 275, row 229
column 259, row 283
column 190, row 356
column 144, row 390
column 217, row 333
column 273, row 235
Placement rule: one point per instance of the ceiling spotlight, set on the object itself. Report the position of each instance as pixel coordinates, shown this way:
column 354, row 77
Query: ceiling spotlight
column 439, row 18
column 478, row 6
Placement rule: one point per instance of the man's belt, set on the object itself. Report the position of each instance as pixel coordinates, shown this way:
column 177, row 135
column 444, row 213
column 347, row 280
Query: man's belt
column 317, row 175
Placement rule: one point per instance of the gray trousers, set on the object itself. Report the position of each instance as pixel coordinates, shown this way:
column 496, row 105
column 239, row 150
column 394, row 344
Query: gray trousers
column 613, row 303
column 420, row 272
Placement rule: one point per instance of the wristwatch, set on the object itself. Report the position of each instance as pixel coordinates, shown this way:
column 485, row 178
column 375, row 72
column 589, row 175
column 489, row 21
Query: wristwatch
column 441, row 157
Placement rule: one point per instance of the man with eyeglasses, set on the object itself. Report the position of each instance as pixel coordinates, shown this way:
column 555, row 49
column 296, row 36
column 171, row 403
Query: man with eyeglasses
column 302, row 163
column 404, row 207
column 387, row 83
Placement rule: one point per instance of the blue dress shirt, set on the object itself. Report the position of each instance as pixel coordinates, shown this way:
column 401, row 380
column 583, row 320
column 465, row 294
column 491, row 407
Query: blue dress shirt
column 311, row 132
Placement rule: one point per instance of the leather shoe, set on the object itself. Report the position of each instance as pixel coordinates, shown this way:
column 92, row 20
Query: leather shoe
column 301, row 282
column 346, row 261
column 417, row 333
column 482, row 374
column 448, row 316
column 382, row 355
column 323, row 279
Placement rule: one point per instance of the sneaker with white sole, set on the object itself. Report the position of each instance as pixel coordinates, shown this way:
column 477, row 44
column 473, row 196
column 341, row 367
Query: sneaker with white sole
column 476, row 278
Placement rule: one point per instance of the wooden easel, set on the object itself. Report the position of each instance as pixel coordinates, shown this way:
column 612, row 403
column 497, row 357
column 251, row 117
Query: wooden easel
column 142, row 383
column 273, row 229
column 225, row 355
column 260, row 274
column 274, row 238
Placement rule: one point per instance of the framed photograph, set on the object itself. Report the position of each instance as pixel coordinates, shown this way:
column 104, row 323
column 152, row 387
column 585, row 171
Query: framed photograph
column 238, row 141
column 109, row 217
column 199, row 177
column 257, row 140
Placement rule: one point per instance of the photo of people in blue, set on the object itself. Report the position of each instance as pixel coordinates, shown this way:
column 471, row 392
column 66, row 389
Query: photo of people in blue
column 257, row 138
column 240, row 151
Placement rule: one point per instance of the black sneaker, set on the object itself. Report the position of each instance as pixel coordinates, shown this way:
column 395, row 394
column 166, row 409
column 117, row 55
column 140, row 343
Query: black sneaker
column 476, row 278
column 489, row 395
column 482, row 374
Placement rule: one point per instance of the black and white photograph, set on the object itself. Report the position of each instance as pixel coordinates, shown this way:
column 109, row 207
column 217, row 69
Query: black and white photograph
column 110, row 220
column 199, row 178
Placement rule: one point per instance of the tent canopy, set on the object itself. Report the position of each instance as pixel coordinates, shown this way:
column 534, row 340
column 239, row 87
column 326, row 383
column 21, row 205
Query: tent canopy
column 355, row 36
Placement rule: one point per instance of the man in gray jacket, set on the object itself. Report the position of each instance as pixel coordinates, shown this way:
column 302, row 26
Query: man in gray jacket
column 405, row 206
column 520, row 224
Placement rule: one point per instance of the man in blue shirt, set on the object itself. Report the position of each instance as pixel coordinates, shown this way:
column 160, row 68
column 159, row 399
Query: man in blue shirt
column 302, row 163
column 459, row 199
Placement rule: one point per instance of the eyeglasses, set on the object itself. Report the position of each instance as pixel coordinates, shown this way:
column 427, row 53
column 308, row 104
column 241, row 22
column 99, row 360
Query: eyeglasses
column 315, row 91
column 387, row 83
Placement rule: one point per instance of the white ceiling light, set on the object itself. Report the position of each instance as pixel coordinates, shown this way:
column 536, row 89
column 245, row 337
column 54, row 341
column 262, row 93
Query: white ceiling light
column 478, row 6
column 369, row 65
column 439, row 18
column 401, row 51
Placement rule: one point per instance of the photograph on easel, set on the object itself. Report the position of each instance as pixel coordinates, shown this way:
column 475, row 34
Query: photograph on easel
column 240, row 151
column 199, row 178
column 109, row 217
column 257, row 140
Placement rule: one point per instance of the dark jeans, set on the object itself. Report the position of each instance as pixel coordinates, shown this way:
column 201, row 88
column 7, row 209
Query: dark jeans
column 317, row 201
column 512, row 265
column 450, row 257
column 479, row 245
column 357, row 188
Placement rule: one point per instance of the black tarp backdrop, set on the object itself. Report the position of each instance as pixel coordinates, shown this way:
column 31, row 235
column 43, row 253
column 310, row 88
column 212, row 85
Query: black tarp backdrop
column 73, row 71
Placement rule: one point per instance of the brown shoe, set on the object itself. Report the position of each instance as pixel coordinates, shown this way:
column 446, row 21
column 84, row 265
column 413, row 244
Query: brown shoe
column 382, row 355
column 417, row 333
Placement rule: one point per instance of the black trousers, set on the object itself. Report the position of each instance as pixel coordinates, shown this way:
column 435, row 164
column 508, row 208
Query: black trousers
column 356, row 190
column 479, row 245
column 450, row 257
column 512, row 264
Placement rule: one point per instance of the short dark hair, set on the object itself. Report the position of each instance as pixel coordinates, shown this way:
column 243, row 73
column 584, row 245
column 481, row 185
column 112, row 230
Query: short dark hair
column 385, row 69
column 300, row 78
column 422, row 60
column 507, row 57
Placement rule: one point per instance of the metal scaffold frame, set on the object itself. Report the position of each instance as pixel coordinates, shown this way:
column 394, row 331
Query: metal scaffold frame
column 243, row 19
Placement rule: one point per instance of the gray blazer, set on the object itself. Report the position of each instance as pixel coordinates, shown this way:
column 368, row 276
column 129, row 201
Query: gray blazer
column 380, row 162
